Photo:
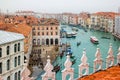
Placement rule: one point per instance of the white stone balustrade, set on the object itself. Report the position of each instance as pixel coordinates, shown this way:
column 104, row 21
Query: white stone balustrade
column 48, row 71
column 118, row 56
column 26, row 72
column 83, row 65
column 110, row 57
column 68, row 69
column 98, row 60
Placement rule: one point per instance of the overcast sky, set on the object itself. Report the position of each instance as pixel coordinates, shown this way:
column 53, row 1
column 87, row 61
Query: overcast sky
column 59, row 6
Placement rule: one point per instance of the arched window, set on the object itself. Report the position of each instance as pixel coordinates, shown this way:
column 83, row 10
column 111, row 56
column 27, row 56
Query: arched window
column 38, row 28
column 15, row 76
column 19, row 60
column 51, row 41
column 18, row 46
column 8, row 64
column 19, row 75
column 34, row 41
column 15, row 61
column 8, row 78
column 47, row 41
column 38, row 42
column 15, row 48
column 56, row 41
column 8, row 50
column 0, row 52
column 0, row 67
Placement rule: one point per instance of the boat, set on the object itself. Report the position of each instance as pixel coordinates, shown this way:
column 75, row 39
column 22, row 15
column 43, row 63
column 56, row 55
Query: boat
column 74, row 29
column 105, row 37
column 94, row 40
column 56, row 68
column 73, row 61
column 71, row 34
column 78, row 43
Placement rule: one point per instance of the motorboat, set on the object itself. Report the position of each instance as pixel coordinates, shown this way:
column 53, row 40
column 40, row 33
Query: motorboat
column 94, row 40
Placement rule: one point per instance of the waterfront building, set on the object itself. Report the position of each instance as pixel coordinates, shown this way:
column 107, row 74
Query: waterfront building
column 25, row 13
column 47, row 32
column 103, row 21
column 117, row 25
column 73, row 19
column 83, row 19
column 22, row 29
column 65, row 18
column 11, row 55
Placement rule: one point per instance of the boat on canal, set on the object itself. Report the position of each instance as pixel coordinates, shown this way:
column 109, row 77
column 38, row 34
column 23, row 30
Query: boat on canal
column 94, row 40
column 78, row 43
column 71, row 34
column 56, row 68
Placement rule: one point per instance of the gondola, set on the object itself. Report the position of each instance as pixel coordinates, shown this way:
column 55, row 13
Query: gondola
column 73, row 61
column 56, row 68
column 78, row 43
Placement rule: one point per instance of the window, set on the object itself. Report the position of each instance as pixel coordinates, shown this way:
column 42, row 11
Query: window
column 18, row 46
column 0, row 52
column 8, row 78
column 56, row 28
column 15, row 61
column 51, row 28
column 19, row 75
column 8, row 50
column 43, row 28
column 18, row 60
column 15, row 48
column 0, row 67
column 47, row 33
column 42, row 33
column 56, row 33
column 47, row 28
column 38, row 28
column 38, row 33
column 8, row 64
column 51, row 33
column 15, row 76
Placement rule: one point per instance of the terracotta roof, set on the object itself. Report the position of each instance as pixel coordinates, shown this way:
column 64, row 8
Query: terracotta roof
column 106, row 14
column 51, row 21
column 112, row 73
column 20, row 28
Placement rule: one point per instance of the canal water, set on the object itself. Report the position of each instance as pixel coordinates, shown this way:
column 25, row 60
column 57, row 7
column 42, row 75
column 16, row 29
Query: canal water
column 84, row 37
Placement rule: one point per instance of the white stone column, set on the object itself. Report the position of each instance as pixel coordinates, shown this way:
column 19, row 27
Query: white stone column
column 118, row 56
column 48, row 71
column 83, row 65
column 98, row 60
column 68, row 69
column 110, row 57
column 25, row 73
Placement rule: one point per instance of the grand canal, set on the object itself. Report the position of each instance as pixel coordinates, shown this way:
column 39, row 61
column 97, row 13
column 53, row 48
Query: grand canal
column 84, row 37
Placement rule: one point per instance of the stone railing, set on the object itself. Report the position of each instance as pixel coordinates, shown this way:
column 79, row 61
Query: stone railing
column 68, row 70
